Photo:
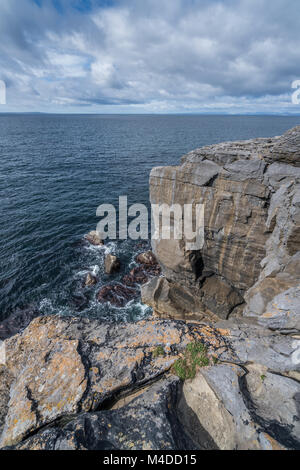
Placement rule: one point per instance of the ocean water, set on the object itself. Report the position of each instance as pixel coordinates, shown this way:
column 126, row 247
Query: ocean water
column 56, row 170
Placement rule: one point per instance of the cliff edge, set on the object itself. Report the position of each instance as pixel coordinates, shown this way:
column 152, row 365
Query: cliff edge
column 249, row 264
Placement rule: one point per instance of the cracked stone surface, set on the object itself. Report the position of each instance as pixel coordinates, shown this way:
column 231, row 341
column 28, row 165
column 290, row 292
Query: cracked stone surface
column 68, row 375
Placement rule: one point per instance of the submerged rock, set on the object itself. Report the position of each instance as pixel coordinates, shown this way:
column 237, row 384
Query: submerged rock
column 17, row 321
column 141, row 274
column 116, row 294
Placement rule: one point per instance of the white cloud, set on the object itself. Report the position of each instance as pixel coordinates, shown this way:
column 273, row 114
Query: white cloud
column 175, row 55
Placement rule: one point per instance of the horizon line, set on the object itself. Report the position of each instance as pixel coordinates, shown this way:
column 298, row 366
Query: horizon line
column 149, row 114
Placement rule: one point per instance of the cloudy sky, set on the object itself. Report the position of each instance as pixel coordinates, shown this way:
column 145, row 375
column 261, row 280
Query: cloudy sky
column 150, row 56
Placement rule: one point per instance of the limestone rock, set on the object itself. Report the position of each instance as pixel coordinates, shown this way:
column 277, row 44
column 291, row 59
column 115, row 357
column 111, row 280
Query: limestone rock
column 112, row 264
column 148, row 423
column 219, row 297
column 90, row 280
column 251, row 194
column 218, row 398
column 75, row 383
column 169, row 300
column 5, row 383
column 62, row 366
column 274, row 402
column 94, row 238
column 146, row 258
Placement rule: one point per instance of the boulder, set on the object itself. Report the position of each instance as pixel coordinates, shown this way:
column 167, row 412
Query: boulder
column 215, row 400
column 116, row 294
column 90, row 280
column 141, row 274
column 170, row 300
column 94, row 238
column 146, row 258
column 112, row 264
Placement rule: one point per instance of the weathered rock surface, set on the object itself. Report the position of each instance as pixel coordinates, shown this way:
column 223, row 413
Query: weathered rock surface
column 116, row 294
column 112, row 264
column 149, row 422
column 94, row 238
column 146, row 258
column 72, row 383
column 90, row 280
column 251, row 194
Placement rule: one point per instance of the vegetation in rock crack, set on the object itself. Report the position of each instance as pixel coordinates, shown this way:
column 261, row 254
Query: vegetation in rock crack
column 262, row 377
column 158, row 351
column 195, row 355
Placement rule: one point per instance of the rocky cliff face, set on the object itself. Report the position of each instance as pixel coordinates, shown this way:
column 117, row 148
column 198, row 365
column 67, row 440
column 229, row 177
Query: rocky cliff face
column 250, row 259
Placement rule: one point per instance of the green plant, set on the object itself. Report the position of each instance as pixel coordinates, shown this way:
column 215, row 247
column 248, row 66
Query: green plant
column 262, row 377
column 194, row 355
column 158, row 351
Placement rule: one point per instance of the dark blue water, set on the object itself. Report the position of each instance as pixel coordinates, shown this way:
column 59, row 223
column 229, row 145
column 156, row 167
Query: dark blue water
column 56, row 170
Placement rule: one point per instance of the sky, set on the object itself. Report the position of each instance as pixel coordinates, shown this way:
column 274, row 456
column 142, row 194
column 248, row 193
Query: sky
column 150, row 56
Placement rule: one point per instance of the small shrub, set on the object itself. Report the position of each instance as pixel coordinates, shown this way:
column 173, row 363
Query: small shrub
column 195, row 355
column 158, row 351
column 262, row 377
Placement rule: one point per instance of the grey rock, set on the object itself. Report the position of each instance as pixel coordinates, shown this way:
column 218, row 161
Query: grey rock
column 251, row 223
column 112, row 264
column 94, row 238
column 149, row 422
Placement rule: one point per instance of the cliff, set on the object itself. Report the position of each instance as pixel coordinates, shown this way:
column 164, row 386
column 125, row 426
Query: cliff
column 228, row 378
column 249, row 264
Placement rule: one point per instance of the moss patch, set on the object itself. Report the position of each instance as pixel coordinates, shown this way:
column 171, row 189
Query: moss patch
column 158, row 351
column 195, row 355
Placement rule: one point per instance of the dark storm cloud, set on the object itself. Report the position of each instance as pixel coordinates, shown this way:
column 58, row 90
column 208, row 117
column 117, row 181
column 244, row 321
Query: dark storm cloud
column 166, row 55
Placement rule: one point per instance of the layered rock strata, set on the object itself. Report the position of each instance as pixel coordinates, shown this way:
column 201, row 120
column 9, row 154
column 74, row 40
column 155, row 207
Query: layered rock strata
column 250, row 259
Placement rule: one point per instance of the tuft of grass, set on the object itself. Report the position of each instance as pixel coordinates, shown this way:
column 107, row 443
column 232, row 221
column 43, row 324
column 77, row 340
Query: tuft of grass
column 215, row 360
column 158, row 351
column 262, row 377
column 195, row 356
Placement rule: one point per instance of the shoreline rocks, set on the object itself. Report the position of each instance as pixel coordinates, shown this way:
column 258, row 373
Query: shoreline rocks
column 94, row 238
column 112, row 264
column 63, row 374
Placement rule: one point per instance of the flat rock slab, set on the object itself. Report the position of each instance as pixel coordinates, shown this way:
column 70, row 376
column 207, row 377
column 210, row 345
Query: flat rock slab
column 147, row 423
column 61, row 367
